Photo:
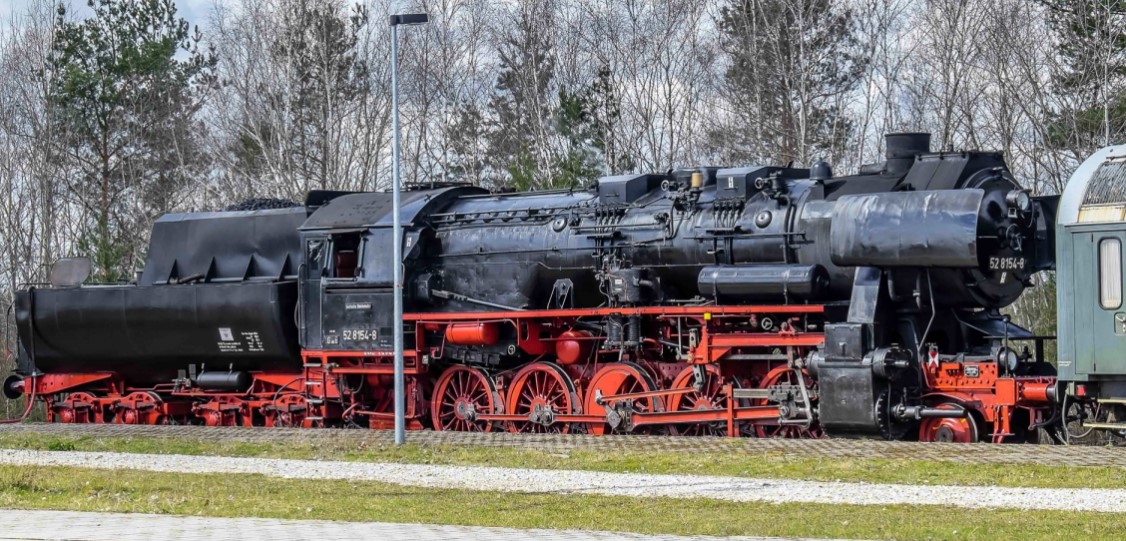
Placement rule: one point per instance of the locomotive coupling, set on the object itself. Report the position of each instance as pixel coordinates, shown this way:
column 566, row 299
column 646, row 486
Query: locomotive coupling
column 13, row 387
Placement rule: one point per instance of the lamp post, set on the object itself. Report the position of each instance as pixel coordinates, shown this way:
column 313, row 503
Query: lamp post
column 397, row 249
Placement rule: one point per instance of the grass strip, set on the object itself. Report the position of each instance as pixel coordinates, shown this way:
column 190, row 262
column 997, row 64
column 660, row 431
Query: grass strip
column 735, row 463
column 79, row 489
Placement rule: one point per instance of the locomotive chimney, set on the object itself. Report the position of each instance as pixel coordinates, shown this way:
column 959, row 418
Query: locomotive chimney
column 902, row 149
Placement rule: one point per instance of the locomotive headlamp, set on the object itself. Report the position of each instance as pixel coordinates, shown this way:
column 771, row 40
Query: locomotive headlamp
column 1020, row 201
column 1008, row 358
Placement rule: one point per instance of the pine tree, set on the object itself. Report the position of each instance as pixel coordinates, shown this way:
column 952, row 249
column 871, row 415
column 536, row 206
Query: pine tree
column 324, row 77
column 1092, row 43
column 579, row 163
column 128, row 104
column 790, row 61
column 521, row 135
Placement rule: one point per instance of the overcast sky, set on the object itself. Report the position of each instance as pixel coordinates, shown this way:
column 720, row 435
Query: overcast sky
column 195, row 11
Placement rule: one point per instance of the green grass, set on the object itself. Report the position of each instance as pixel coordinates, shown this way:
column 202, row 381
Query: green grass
column 736, row 463
column 258, row 496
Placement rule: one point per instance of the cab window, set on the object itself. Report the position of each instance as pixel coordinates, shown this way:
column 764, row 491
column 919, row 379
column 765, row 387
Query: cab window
column 345, row 255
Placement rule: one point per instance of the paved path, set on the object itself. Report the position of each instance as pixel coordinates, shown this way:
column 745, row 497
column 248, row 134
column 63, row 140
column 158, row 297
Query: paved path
column 735, row 489
column 1049, row 455
column 69, row 525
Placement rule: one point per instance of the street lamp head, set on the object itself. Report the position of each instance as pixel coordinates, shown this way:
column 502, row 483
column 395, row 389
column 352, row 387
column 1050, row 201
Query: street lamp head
column 410, row 18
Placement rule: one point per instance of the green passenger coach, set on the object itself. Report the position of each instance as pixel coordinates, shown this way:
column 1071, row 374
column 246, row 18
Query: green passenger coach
column 1090, row 234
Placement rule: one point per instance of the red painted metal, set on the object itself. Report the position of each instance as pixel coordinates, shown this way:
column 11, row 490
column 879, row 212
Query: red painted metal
column 77, row 407
column 57, row 383
column 620, row 385
column 993, row 398
column 950, row 429
column 704, row 396
column 701, row 311
column 540, row 392
column 571, row 378
column 481, row 333
column 460, row 396
column 139, row 408
column 573, row 347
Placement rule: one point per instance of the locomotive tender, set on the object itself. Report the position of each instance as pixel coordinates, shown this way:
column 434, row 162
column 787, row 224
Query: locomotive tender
column 767, row 301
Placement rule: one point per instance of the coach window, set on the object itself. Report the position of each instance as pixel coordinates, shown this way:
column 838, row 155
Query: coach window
column 345, row 255
column 1110, row 274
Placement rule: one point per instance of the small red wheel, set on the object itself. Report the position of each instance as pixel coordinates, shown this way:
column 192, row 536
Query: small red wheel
column 618, row 379
column 461, row 394
column 766, row 429
column 949, row 429
column 139, row 408
column 220, row 411
column 709, row 396
column 79, row 408
column 541, row 392
column 290, row 410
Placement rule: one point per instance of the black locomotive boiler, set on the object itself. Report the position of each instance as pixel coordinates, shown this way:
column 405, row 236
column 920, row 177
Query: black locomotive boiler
column 768, row 301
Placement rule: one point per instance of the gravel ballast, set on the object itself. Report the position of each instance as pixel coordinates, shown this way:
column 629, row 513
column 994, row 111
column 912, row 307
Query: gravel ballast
column 589, row 482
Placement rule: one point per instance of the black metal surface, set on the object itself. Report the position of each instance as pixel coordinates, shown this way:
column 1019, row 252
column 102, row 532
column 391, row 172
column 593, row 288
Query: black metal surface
column 763, row 282
column 902, row 148
column 626, row 189
column 907, row 229
column 224, row 246
column 148, row 333
column 223, row 381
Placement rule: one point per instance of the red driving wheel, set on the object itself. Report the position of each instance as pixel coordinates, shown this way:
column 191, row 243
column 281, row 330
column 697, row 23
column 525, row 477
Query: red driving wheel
column 949, row 429
column 461, row 394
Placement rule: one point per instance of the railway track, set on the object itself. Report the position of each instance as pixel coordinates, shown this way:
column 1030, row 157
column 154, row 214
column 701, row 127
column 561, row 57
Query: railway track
column 1048, row 455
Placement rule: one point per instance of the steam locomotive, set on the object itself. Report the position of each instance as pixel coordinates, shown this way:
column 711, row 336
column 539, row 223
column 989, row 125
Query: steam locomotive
column 765, row 301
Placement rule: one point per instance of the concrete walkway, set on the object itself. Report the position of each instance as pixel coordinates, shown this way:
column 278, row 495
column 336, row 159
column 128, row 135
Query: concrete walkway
column 74, row 526
column 735, row 489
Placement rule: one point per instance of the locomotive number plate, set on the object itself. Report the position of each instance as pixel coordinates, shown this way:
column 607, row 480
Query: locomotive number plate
column 1007, row 263
column 363, row 335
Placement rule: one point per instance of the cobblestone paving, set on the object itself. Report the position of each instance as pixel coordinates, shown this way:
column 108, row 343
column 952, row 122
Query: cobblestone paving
column 1051, row 455
column 69, row 525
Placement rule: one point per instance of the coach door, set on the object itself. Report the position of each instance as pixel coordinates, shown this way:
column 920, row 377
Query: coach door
column 1100, row 326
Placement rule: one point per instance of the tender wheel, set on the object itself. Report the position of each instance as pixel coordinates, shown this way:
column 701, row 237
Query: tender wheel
column 290, row 410
column 460, row 395
column 784, row 375
column 139, row 408
column 709, row 396
column 617, row 379
column 220, row 411
column 77, row 407
column 541, row 392
column 949, row 429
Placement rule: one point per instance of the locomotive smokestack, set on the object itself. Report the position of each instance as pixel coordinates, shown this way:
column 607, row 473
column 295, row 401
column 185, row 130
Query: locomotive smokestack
column 902, row 149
